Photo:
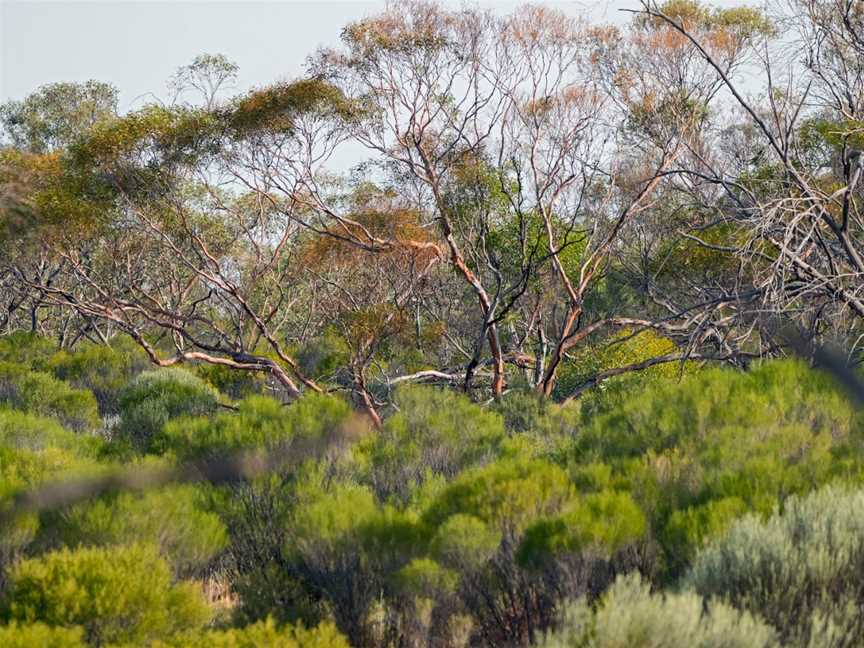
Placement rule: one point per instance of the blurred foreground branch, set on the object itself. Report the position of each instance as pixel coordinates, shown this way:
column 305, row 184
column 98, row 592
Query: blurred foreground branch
column 222, row 469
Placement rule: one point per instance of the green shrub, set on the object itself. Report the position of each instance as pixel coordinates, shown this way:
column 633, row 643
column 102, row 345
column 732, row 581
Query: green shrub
column 629, row 615
column 28, row 349
column 600, row 523
column 39, row 635
column 343, row 544
column 263, row 633
column 435, row 432
column 669, row 414
column 231, row 382
column 522, row 411
column 699, row 454
column 155, row 397
column 34, row 449
column 171, row 519
column 104, row 370
column 261, row 422
column 508, row 495
column 690, row 529
column 117, row 594
column 800, row 570
column 27, row 431
column 41, row 393
column 519, row 537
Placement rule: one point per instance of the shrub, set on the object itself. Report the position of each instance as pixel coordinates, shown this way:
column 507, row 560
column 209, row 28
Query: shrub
column 104, row 370
column 260, row 423
column 522, row 411
column 508, row 495
column 769, row 397
column 172, row 519
column 24, row 348
column 435, row 432
column 117, row 594
column 41, row 393
column 155, row 397
column 39, row 635
column 598, row 523
column 629, row 615
column 342, row 544
column 263, row 633
column 26, row 431
column 695, row 463
column 519, row 537
column 234, row 384
column 800, row 569
column 34, row 449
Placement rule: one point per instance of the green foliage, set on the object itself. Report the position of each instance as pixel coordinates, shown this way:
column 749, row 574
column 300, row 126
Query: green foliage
column 118, row 594
column 259, row 422
column 344, row 545
column 434, row 433
column 507, row 495
column 274, row 108
column 26, row 431
column 743, row 22
column 694, row 462
column 600, row 523
column 27, row 349
column 523, row 411
column 156, row 397
column 465, row 542
column 104, row 370
column 800, row 569
column 324, row 355
column 630, row 615
column 619, row 350
column 263, row 633
column 39, row 635
column 57, row 114
column 159, row 133
column 516, row 531
column 427, row 578
column 232, row 383
column 690, row 529
column 42, row 394
column 172, row 519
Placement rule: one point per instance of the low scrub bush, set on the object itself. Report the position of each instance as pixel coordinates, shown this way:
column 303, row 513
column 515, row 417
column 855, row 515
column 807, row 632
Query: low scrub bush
column 40, row 393
column 104, row 370
column 263, row 633
column 156, row 397
column 173, row 520
column 800, row 569
column 630, row 615
column 116, row 594
column 39, row 635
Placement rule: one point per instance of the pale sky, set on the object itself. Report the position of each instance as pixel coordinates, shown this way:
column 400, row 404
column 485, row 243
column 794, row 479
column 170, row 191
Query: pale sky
column 137, row 45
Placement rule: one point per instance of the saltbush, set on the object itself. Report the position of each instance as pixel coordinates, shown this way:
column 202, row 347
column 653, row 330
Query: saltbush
column 155, row 397
column 630, row 615
column 800, row 569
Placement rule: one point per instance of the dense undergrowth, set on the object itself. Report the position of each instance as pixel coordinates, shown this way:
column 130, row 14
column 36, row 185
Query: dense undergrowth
column 720, row 508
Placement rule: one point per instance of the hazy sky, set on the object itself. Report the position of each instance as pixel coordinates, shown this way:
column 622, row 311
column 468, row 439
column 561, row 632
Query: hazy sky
column 138, row 45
